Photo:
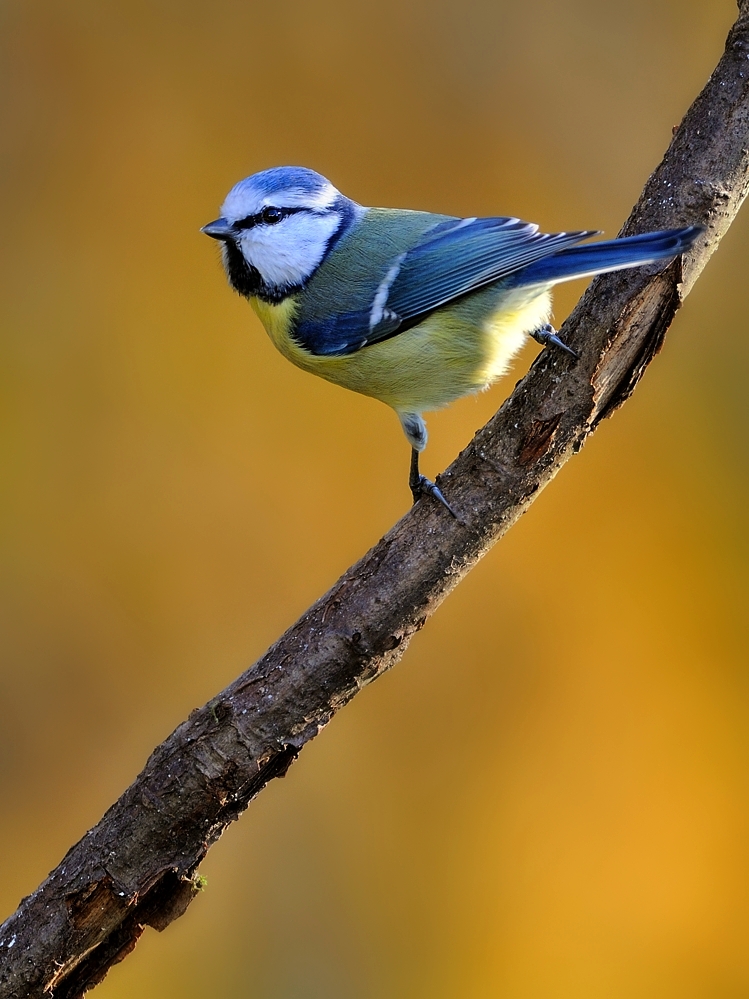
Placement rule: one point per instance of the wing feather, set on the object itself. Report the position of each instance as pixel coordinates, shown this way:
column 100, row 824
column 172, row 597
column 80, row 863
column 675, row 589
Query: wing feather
column 453, row 259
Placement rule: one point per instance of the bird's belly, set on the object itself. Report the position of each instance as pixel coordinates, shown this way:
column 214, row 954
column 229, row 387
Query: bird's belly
column 455, row 351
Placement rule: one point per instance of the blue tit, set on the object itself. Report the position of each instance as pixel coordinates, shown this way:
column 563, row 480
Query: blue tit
column 408, row 307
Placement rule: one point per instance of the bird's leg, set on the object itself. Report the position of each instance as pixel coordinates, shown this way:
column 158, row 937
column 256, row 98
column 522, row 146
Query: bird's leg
column 421, row 485
column 547, row 336
column 416, row 432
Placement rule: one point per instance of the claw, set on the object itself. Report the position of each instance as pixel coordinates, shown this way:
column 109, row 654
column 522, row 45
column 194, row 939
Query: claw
column 420, row 485
column 547, row 337
column 425, row 485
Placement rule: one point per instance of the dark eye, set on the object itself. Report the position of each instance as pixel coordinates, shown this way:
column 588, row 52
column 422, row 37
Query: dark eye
column 271, row 215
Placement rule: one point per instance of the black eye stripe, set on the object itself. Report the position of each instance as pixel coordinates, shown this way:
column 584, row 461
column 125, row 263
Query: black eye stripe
column 250, row 221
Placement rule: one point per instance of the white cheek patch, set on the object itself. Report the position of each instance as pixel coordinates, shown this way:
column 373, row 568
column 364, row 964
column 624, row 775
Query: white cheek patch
column 287, row 254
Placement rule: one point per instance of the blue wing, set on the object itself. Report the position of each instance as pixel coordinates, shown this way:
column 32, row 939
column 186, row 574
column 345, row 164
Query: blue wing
column 450, row 260
column 465, row 256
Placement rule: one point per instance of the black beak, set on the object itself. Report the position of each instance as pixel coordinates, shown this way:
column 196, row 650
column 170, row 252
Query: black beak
column 220, row 229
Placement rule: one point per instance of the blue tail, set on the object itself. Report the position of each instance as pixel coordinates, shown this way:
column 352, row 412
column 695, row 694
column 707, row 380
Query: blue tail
column 612, row 255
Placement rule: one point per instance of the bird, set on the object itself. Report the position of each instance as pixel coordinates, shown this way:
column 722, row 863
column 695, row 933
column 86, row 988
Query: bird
column 409, row 307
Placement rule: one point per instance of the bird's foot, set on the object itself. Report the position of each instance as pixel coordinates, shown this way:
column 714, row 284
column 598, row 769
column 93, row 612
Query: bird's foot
column 422, row 486
column 426, row 486
column 547, row 336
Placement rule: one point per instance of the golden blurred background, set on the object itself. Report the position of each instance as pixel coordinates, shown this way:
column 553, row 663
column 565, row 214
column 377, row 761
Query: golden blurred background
column 548, row 797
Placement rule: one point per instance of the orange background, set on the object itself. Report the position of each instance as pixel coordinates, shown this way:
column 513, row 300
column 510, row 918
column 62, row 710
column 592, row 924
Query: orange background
column 548, row 796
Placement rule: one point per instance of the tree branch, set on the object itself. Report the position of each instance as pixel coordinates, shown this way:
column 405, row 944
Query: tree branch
column 137, row 867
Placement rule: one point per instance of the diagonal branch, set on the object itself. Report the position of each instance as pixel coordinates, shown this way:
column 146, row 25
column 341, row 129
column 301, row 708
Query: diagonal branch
column 137, row 866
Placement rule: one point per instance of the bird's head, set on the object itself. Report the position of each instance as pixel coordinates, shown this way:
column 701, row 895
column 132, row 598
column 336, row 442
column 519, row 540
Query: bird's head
column 276, row 227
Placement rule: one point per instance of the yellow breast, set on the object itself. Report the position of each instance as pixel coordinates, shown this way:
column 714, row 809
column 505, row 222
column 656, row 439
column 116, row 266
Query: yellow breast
column 459, row 349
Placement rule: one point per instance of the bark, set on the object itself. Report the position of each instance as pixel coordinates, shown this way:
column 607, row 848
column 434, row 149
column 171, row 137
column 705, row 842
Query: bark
column 138, row 866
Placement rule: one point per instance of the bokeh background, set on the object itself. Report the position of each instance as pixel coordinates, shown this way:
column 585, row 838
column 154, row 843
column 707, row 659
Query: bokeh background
column 548, row 796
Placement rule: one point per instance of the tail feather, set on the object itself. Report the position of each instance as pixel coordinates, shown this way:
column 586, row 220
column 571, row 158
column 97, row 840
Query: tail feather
column 611, row 255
